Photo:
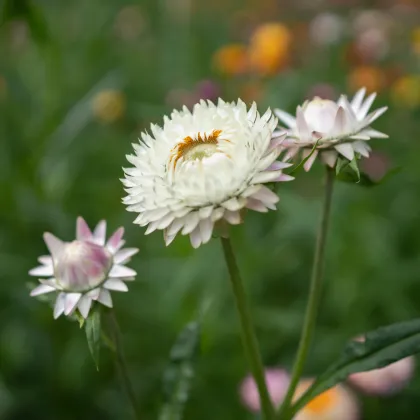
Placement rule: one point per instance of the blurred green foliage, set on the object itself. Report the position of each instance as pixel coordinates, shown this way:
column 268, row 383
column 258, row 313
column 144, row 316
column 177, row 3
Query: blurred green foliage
column 60, row 157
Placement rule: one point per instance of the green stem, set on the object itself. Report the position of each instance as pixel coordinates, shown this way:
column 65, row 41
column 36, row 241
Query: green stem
column 314, row 298
column 248, row 334
column 121, row 364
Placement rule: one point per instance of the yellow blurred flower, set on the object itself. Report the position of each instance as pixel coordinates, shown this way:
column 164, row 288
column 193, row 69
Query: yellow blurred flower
column 406, row 91
column 269, row 48
column 230, row 59
column 109, row 105
column 415, row 40
column 335, row 404
column 371, row 77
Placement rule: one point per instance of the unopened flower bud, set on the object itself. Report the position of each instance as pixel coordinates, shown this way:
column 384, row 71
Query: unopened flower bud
column 82, row 266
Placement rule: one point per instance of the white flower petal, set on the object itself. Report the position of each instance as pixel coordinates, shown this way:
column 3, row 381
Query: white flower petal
column 115, row 241
column 43, row 270
column 346, row 149
column 285, row 117
column 116, row 284
column 120, row 271
column 45, row 260
column 206, row 230
column 195, row 238
column 105, row 298
column 308, row 164
column 124, row 255
column 329, row 157
column 233, row 217
column 59, row 305
column 366, row 106
column 41, row 289
column 190, row 223
column 265, row 195
column 54, row 244
column 234, row 203
column 256, row 205
column 70, row 302
column 84, row 306
column 99, row 234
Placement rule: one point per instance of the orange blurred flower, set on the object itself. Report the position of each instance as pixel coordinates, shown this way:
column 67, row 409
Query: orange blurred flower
column 406, row 91
column 371, row 77
column 231, row 59
column 108, row 105
column 335, row 404
column 269, row 48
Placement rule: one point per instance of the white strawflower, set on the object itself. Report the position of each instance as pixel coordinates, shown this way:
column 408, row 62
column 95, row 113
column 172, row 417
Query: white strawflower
column 204, row 166
column 84, row 270
column 340, row 127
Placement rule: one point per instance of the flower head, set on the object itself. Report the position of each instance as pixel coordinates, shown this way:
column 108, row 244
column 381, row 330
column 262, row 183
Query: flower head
column 335, row 128
column 84, row 270
column 337, row 403
column 277, row 383
column 204, row 166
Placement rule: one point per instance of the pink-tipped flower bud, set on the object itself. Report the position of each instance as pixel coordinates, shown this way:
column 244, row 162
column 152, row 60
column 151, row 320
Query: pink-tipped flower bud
column 82, row 266
column 277, row 383
column 385, row 381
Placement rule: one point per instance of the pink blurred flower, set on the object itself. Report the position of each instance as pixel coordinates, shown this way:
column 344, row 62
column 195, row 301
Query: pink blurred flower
column 388, row 380
column 277, row 383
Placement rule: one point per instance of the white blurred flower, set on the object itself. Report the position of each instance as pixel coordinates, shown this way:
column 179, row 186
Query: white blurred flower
column 327, row 28
column 84, row 270
column 385, row 381
column 340, row 127
column 337, row 403
column 204, row 166
column 277, row 381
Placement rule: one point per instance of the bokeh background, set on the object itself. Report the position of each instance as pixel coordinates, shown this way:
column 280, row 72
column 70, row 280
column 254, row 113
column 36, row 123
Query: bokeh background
column 80, row 79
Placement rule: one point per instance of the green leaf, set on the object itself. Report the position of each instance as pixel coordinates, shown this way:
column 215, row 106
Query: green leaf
column 179, row 373
column 300, row 165
column 348, row 170
column 382, row 347
column 365, row 179
column 93, row 333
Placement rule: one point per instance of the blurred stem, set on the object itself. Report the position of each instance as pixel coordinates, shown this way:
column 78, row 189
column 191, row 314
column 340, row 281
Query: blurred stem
column 248, row 334
column 314, row 297
column 121, row 364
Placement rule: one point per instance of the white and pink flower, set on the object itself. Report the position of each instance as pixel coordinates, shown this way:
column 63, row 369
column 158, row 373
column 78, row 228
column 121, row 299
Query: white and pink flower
column 85, row 270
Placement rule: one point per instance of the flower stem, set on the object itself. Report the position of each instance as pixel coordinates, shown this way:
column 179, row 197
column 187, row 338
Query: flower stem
column 314, row 297
column 248, row 334
column 121, row 364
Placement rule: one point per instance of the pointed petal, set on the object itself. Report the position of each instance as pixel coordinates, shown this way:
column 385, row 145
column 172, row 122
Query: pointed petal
column 41, row 289
column 265, row 195
column 54, row 244
column 105, row 298
column 362, row 147
column 84, row 306
column 42, row 270
column 374, row 134
column 233, row 217
column 329, row 158
column 124, row 255
column 256, row 205
column 120, row 271
column 83, row 232
column 115, row 241
column 308, row 164
column 358, row 98
column 206, row 230
column 168, row 238
column 195, row 238
column 116, row 284
column 302, row 126
column 99, row 234
column 374, row 115
column 366, row 106
column 339, row 122
column 346, row 149
column 71, row 301
column 190, row 223
column 285, row 117
column 59, row 305
column 234, row 203
column 45, row 260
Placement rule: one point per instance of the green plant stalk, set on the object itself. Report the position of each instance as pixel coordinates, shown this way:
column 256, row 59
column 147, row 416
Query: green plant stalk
column 121, row 364
column 247, row 330
column 314, row 298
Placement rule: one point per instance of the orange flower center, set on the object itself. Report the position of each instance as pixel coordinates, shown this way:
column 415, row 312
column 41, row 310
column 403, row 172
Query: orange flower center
column 323, row 402
column 195, row 148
